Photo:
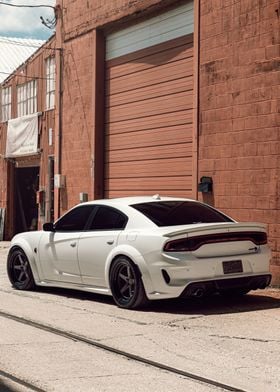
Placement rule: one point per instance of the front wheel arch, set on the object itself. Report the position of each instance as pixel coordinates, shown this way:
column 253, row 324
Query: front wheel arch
column 19, row 270
column 28, row 249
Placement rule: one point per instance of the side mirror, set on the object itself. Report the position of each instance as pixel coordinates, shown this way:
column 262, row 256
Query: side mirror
column 49, row 226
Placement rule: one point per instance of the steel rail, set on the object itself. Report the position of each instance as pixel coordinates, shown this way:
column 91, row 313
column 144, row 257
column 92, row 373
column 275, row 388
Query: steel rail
column 137, row 358
column 23, row 383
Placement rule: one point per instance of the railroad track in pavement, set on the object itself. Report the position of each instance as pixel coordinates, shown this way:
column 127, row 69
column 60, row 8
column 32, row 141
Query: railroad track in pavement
column 93, row 343
column 18, row 381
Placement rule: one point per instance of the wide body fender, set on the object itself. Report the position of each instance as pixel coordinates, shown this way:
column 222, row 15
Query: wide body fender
column 135, row 256
column 28, row 248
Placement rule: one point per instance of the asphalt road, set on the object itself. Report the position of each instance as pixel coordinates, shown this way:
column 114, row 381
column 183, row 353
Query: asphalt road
column 234, row 342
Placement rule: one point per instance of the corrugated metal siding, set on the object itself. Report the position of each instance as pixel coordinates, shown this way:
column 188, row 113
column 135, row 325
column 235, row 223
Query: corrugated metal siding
column 162, row 28
column 149, row 101
column 14, row 52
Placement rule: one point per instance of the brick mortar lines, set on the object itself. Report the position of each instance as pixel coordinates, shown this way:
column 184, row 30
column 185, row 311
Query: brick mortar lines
column 119, row 15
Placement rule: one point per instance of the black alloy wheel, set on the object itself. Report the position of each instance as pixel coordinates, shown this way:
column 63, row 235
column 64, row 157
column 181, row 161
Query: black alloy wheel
column 19, row 270
column 126, row 284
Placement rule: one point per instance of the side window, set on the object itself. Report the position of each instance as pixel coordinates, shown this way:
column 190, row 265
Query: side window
column 75, row 220
column 107, row 218
column 6, row 104
column 50, row 82
column 27, row 98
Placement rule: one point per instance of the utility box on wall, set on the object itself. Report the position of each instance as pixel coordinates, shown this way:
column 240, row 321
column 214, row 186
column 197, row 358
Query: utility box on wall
column 83, row 197
column 59, row 181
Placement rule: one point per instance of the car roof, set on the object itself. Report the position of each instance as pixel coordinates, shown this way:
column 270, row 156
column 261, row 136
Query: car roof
column 126, row 201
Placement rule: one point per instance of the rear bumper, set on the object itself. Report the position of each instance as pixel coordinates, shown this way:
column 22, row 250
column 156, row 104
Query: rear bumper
column 219, row 285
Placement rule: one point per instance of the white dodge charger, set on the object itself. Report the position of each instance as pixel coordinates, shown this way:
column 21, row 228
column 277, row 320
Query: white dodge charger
column 143, row 248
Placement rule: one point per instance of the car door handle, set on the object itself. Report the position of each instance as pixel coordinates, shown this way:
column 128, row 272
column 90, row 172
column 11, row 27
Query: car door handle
column 73, row 244
column 110, row 242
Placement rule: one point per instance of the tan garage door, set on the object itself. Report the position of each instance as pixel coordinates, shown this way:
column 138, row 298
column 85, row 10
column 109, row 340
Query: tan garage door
column 149, row 109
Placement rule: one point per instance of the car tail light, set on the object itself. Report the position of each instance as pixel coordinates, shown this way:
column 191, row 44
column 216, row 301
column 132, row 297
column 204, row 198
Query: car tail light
column 193, row 243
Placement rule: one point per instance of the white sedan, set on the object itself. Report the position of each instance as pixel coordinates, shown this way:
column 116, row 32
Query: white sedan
column 143, row 248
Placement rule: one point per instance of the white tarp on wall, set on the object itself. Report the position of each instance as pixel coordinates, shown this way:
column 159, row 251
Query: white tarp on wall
column 22, row 136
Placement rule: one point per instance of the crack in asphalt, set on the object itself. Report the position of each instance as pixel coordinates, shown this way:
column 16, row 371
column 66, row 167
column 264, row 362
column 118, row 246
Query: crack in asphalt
column 173, row 323
column 119, row 337
column 76, row 308
column 167, row 350
column 130, row 356
column 18, row 293
column 95, row 376
column 116, row 375
column 245, row 338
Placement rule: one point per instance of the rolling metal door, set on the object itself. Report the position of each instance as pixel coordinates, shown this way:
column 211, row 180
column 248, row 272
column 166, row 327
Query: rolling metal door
column 149, row 105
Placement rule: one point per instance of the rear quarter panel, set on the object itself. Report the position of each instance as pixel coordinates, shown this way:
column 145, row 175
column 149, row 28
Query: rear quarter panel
column 142, row 248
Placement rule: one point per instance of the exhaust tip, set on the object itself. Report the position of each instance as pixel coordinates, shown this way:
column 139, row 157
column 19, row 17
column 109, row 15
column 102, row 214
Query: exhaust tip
column 199, row 292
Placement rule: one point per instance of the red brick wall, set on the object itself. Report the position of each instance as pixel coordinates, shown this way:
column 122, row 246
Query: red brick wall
column 239, row 102
column 33, row 68
column 239, row 139
column 3, row 167
column 77, row 119
column 81, row 16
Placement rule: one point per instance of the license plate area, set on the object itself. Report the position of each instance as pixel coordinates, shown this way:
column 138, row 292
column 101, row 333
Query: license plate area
column 232, row 266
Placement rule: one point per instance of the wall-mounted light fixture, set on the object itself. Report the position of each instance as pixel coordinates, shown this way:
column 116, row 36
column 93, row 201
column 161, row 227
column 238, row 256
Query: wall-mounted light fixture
column 205, row 185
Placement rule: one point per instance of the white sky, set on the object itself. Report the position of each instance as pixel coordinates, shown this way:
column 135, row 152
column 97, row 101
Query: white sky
column 25, row 22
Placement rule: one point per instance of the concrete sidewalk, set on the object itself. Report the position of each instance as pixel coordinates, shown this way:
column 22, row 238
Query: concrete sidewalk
column 4, row 244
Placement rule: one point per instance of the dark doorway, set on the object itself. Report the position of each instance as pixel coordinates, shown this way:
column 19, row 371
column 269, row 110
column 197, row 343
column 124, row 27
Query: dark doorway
column 26, row 186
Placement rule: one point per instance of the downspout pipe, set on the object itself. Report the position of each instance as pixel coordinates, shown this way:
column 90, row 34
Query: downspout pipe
column 196, row 114
column 58, row 111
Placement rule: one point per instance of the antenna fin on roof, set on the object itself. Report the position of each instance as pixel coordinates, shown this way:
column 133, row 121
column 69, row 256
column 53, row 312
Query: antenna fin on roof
column 156, row 197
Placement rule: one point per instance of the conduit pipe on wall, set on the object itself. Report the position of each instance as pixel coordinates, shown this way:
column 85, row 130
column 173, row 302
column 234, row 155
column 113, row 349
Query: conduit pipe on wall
column 196, row 124
column 58, row 109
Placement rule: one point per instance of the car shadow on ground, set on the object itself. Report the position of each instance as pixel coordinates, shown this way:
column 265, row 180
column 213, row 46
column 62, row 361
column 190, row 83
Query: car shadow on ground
column 216, row 304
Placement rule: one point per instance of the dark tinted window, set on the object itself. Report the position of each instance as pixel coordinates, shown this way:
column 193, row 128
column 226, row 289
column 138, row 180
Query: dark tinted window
column 75, row 220
column 172, row 213
column 107, row 218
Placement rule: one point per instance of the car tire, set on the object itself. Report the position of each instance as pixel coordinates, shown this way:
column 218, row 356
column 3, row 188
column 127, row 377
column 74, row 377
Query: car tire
column 19, row 271
column 126, row 284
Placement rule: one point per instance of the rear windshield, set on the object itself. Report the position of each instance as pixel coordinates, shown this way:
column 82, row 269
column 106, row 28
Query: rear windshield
column 172, row 213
